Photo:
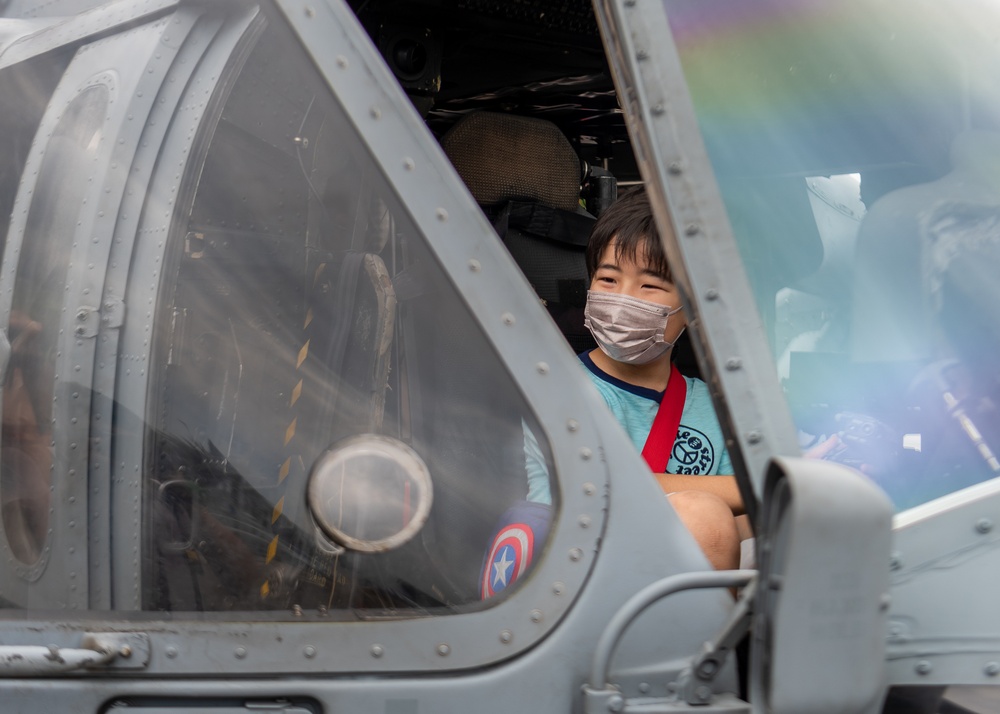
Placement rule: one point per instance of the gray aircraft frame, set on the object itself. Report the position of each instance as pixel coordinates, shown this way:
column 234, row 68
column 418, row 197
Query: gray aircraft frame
column 846, row 602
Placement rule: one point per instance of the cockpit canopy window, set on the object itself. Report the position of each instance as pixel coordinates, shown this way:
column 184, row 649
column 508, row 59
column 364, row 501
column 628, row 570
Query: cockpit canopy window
column 272, row 397
column 857, row 146
column 308, row 343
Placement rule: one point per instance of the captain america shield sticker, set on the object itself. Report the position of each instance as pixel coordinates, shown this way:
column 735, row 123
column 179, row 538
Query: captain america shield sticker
column 509, row 557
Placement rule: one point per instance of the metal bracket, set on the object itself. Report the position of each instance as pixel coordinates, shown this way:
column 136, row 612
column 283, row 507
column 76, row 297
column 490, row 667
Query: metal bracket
column 90, row 319
column 112, row 312
column 695, row 682
column 601, row 697
column 104, row 650
column 611, row 701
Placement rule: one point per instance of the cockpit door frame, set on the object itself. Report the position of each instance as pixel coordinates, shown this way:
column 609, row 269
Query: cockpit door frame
column 727, row 332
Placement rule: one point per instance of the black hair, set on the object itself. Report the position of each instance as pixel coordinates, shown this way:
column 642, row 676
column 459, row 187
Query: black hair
column 628, row 222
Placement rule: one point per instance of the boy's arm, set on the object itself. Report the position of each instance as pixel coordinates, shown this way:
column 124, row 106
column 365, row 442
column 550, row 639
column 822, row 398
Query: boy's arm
column 722, row 486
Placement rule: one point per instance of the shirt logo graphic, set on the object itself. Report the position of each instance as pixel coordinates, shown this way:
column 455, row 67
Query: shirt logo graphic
column 693, row 452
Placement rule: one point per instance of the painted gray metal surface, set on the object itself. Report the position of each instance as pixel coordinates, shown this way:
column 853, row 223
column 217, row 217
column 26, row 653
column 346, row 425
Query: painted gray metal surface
column 943, row 623
column 730, row 339
column 199, row 47
column 164, row 79
column 68, row 541
column 824, row 541
column 42, row 35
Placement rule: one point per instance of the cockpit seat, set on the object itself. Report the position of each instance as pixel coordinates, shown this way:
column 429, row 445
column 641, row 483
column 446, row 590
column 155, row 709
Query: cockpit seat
column 526, row 175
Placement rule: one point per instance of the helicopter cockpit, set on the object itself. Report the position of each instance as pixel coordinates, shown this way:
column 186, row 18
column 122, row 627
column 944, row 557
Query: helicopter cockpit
column 271, row 350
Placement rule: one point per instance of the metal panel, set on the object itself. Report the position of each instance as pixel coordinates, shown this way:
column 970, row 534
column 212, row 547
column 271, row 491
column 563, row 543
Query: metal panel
column 824, row 540
column 943, row 625
column 192, row 57
column 45, row 35
column 68, row 581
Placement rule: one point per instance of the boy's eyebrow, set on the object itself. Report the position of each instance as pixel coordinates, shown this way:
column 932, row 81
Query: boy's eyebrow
column 609, row 266
column 654, row 274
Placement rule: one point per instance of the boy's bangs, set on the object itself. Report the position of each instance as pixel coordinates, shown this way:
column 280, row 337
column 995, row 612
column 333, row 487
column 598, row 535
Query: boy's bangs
column 631, row 245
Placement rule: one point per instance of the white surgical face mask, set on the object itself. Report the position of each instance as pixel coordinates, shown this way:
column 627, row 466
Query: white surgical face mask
column 628, row 329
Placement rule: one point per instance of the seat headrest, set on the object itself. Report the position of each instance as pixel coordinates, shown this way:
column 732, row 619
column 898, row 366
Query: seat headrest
column 503, row 157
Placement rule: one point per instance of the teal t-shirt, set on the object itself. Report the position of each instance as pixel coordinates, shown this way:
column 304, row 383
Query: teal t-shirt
column 699, row 448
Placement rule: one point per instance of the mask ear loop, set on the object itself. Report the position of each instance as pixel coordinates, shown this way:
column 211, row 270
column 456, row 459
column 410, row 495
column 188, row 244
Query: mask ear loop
column 669, row 314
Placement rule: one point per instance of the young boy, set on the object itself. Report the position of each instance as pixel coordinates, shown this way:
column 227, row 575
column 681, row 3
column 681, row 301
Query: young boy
column 634, row 312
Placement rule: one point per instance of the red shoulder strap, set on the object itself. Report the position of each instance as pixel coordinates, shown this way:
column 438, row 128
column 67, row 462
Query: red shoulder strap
column 667, row 421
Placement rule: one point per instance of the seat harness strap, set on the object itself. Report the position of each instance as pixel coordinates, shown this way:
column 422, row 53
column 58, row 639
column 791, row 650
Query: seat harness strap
column 663, row 433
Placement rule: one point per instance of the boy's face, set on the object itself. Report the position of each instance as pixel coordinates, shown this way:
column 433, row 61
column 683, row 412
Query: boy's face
column 637, row 279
